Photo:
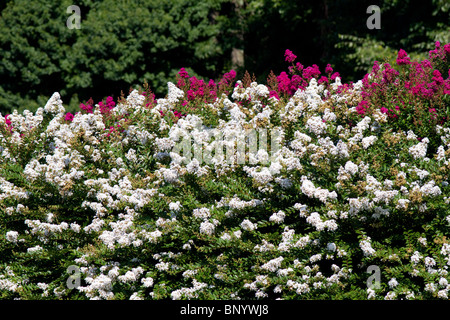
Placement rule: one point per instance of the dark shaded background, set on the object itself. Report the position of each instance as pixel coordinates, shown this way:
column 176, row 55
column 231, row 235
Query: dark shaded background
column 123, row 43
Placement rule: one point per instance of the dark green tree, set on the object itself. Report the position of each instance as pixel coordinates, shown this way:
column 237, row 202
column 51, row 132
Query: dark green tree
column 120, row 44
column 326, row 31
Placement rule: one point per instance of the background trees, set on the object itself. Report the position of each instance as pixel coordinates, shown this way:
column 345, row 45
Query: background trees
column 124, row 43
column 120, row 44
column 325, row 31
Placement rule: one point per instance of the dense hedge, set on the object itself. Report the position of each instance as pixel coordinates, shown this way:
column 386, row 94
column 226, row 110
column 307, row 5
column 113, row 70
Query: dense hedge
column 153, row 198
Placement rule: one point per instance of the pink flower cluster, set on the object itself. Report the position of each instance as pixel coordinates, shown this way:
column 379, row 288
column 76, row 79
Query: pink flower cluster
column 10, row 127
column 68, row 117
column 290, row 57
column 298, row 78
column 105, row 107
column 403, row 58
column 415, row 94
column 88, row 107
column 439, row 52
column 197, row 90
column 8, row 123
column 288, row 85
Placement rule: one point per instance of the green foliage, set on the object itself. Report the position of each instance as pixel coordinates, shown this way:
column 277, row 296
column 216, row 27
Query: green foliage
column 120, row 43
column 411, row 25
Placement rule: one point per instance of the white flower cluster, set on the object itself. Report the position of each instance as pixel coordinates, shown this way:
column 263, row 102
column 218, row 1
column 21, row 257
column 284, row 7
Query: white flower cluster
column 54, row 104
column 366, row 247
column 315, row 220
column 132, row 275
column 207, row 227
column 311, row 191
column 44, row 230
column 368, row 141
column 259, row 286
column 419, row 150
column 273, row 265
column 201, row 213
column 277, row 217
column 99, row 287
column 189, row 293
column 248, row 225
column 316, row 125
column 254, row 92
column 7, row 284
column 12, row 236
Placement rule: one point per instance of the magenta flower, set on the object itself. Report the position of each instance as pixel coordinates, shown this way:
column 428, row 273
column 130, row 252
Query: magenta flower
column 68, row 117
column 437, row 53
column 437, row 77
column 284, row 83
column 447, row 48
column 200, row 92
column 426, row 63
column 180, row 83
column 177, row 114
column 183, row 73
column 433, row 112
column 362, row 107
column 110, row 102
column 383, row 110
column 311, row 72
column 211, row 84
column 213, row 94
column 296, row 82
column 328, row 69
column 402, row 58
column 107, row 106
column 230, row 75
column 7, row 121
column 389, row 73
column 334, row 76
column 322, row 79
column 190, row 95
column 86, row 107
column 376, row 67
column 290, row 57
column 447, row 85
column 193, row 82
column 273, row 93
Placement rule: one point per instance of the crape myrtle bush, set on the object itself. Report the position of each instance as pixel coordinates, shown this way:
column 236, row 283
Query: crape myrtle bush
column 360, row 179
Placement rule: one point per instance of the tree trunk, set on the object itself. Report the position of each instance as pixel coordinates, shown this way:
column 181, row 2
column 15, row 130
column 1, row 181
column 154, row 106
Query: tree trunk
column 237, row 53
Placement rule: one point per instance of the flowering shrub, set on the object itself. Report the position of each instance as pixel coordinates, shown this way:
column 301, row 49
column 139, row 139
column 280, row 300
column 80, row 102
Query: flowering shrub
column 416, row 96
column 347, row 181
